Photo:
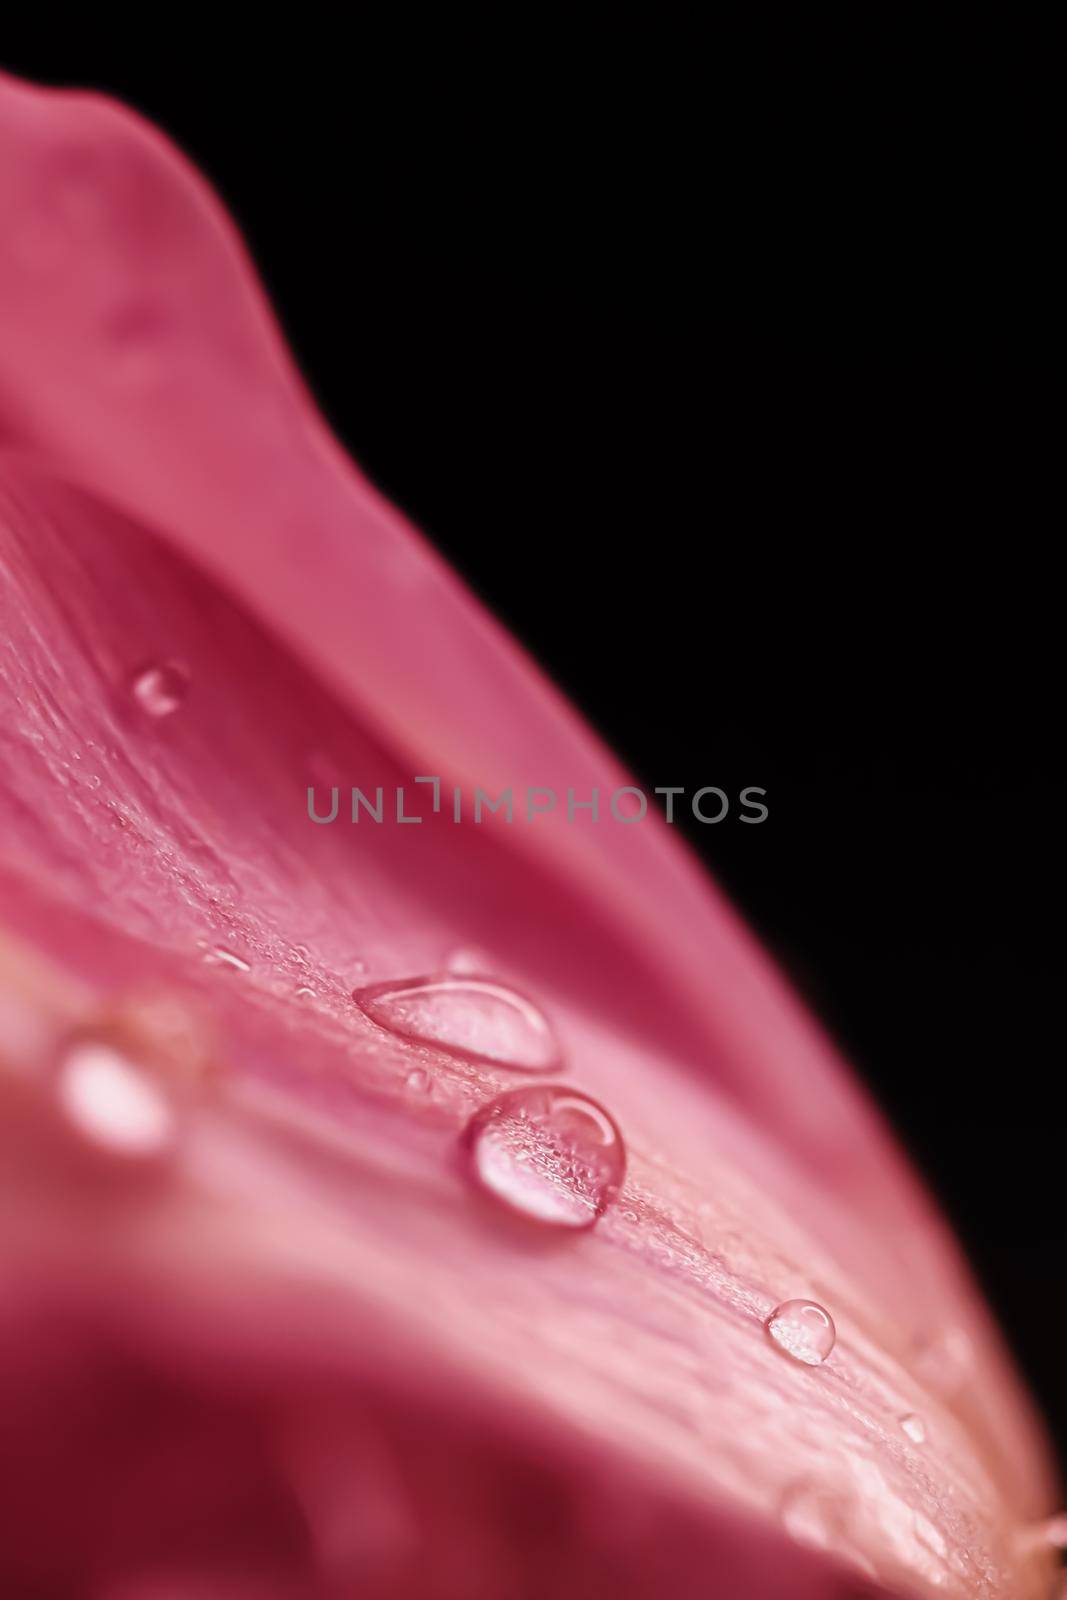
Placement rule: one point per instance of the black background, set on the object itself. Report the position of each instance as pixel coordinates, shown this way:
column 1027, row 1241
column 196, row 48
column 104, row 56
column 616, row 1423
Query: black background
column 742, row 415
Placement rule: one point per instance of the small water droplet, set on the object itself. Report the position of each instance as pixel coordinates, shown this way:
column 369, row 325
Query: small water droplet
column 914, row 1427
column 476, row 1019
column 418, row 1080
column 160, row 689
column 304, row 993
column 219, row 956
column 803, row 1329
column 547, row 1152
column 112, row 1101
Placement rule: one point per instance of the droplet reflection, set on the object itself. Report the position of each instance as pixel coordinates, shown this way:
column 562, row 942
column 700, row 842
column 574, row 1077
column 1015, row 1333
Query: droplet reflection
column 548, row 1153
column 473, row 1018
column 802, row 1329
column 160, row 688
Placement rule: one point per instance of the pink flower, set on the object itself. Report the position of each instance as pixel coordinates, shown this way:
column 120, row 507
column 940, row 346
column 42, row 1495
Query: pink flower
column 261, row 1333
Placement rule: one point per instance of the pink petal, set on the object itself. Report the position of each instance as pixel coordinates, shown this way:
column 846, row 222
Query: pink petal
column 311, row 1272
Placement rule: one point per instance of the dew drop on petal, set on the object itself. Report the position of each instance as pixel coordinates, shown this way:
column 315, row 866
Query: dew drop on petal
column 547, row 1152
column 304, row 993
column 914, row 1427
column 803, row 1329
column 418, row 1080
column 219, row 956
column 160, row 688
column 474, row 1018
column 112, row 1101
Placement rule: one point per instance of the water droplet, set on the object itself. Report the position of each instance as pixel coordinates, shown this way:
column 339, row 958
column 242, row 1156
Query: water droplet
column 803, row 1329
column 304, row 993
column 219, row 956
column 112, row 1101
column 159, row 689
column 476, row 1019
column 549, row 1153
column 914, row 1427
column 418, row 1080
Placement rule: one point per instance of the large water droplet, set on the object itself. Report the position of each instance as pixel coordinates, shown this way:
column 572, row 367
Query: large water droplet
column 803, row 1329
column 159, row 689
column 112, row 1101
column 474, row 1018
column 549, row 1153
